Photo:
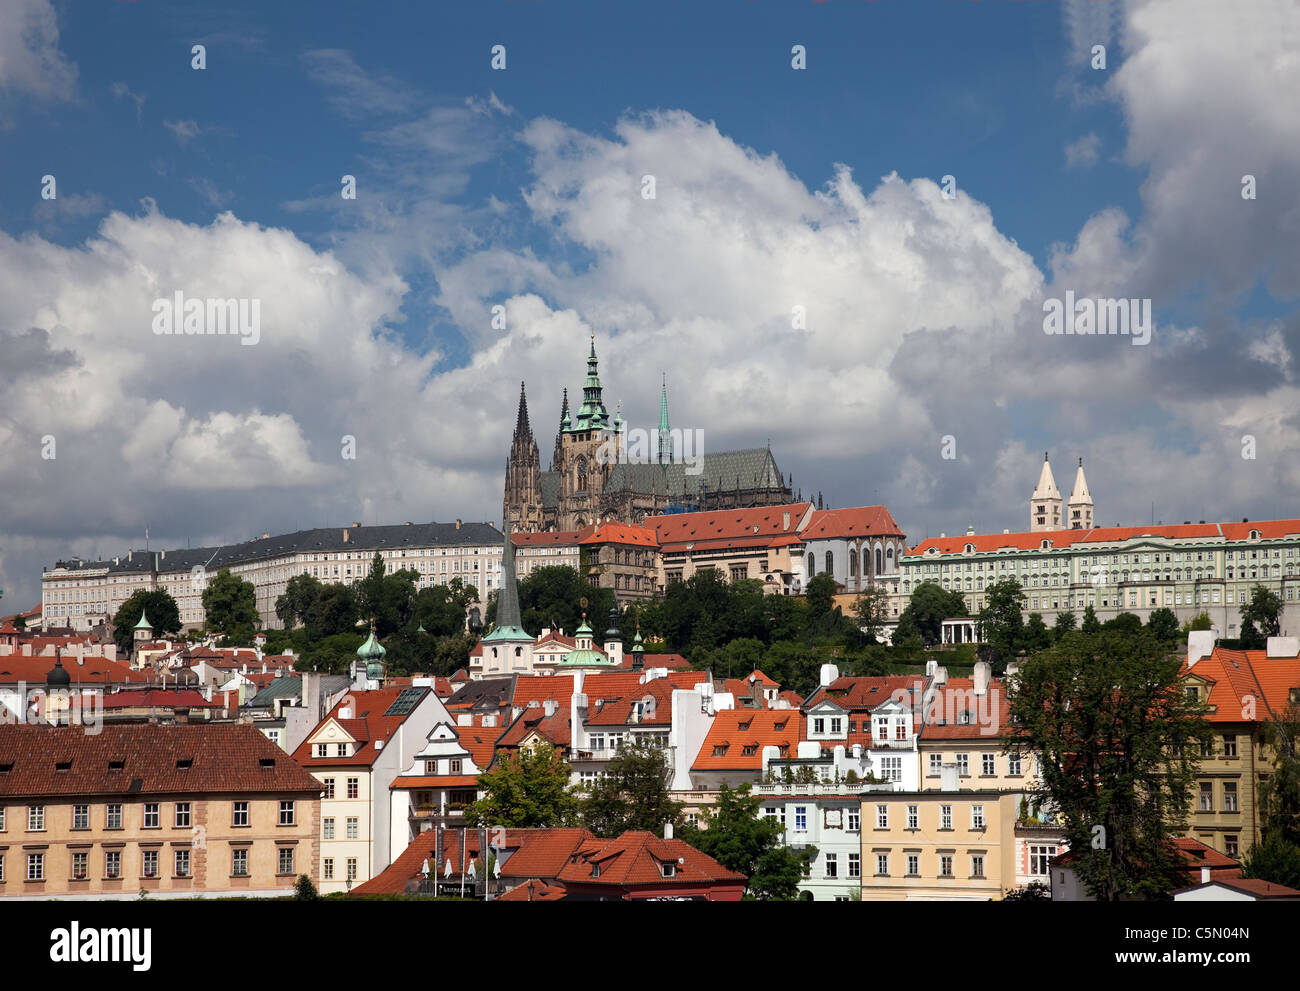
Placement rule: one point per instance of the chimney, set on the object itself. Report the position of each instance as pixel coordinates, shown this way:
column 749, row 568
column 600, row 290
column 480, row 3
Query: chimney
column 1205, row 871
column 345, row 536
column 785, row 520
column 1282, row 647
column 940, row 675
column 1200, row 643
column 668, row 830
column 549, row 707
column 379, row 745
column 458, row 524
column 828, row 674
column 981, row 674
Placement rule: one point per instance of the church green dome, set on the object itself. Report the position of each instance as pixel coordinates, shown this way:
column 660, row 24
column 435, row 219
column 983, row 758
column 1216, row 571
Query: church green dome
column 372, row 652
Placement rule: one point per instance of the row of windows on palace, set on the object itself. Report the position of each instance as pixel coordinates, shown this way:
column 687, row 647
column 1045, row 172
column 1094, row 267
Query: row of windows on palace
column 881, row 561
column 150, row 816
column 79, row 860
column 79, row 864
column 1062, row 579
column 1198, row 598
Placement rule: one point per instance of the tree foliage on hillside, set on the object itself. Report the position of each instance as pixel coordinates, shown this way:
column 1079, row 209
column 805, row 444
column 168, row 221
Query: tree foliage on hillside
column 156, row 605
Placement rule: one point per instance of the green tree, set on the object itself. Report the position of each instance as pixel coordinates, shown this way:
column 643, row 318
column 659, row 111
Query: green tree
column 819, row 593
column 300, row 593
column 1036, row 635
column 632, row 794
column 1090, row 624
column 552, row 597
column 1065, row 623
column 870, row 608
column 387, row 598
column 1163, row 625
column 334, row 611
column 525, row 790
column 440, row 609
column 1279, row 793
column 231, row 607
column 1119, row 744
column 1034, row 891
column 1276, row 859
column 1002, row 629
column 304, row 890
column 1201, row 621
column 1260, row 618
column 160, row 609
column 927, row 608
column 1125, row 622
column 736, row 836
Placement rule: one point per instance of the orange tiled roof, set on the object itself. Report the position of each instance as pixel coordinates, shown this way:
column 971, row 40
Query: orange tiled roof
column 869, row 692
column 741, row 730
column 549, row 539
column 1234, row 675
column 540, row 891
column 986, row 542
column 635, row 859
column 854, row 522
column 556, row 728
column 727, row 525
column 611, row 532
column 540, row 687
column 91, row 670
column 368, row 725
column 409, row 781
column 989, row 714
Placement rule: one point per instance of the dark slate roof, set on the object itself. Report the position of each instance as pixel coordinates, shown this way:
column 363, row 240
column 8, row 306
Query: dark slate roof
column 492, row 691
column 322, row 539
column 550, row 489
column 724, row 471
column 195, row 758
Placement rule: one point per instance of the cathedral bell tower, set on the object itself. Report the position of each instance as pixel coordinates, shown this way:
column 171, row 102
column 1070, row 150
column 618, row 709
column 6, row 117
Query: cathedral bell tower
column 522, row 508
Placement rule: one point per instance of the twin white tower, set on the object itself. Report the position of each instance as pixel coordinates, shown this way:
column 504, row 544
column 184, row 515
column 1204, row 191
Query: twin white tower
column 1045, row 504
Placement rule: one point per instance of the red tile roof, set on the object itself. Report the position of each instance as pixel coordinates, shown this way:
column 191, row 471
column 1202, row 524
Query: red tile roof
column 161, row 697
column 673, row 662
column 92, row 670
column 538, row 688
column 409, row 781
column 1251, row 886
column 727, row 527
column 1237, row 675
column 538, row 891
column 865, row 693
column 985, row 542
column 739, row 730
column 367, row 725
column 854, row 522
column 549, row 539
column 556, row 728
column 611, row 532
column 225, row 757
column 636, row 859
column 988, row 715
column 535, row 853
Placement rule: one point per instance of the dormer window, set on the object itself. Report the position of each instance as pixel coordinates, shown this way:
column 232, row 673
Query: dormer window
column 668, row 870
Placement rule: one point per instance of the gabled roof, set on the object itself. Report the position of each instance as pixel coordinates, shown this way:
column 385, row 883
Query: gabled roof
column 1237, row 674
column 855, row 522
column 988, row 715
column 1247, row 886
column 636, row 859
column 741, row 730
column 866, row 693
column 728, row 527
column 611, row 532
column 163, row 698
column 556, row 729
column 222, row 757
column 367, row 725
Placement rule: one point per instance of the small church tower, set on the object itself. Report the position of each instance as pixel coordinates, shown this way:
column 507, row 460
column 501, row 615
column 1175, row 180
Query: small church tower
column 1045, row 504
column 1080, row 502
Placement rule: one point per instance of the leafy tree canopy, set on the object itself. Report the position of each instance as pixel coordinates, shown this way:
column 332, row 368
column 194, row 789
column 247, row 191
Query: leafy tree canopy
column 157, row 605
column 524, row 790
column 736, row 836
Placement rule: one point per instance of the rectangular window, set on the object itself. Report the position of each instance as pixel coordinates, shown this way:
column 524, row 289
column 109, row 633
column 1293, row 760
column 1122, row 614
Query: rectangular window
column 819, row 726
column 354, row 787
column 36, row 867
column 977, row 865
column 1207, row 796
column 882, row 816
column 1013, row 765
column 945, row 865
column 80, row 866
column 1040, row 858
column 112, row 864
column 913, row 817
column 988, row 764
column 1229, row 847
column 1229, row 746
column 1230, row 796
column 182, row 815
column 945, row 817
column 892, row 768
column 352, row 827
column 149, row 867
column 81, row 817
column 329, row 787
column 322, row 750
column 340, row 750
column 182, row 863
column 35, row 818
column 328, row 874
column 882, row 865
column 240, row 816
column 855, row 820
column 832, row 865
column 239, row 862
column 151, row 815
column 963, row 765
column 286, row 813
column 352, row 868
column 455, row 765
column 327, row 828
column 801, row 819
column 936, row 763
column 2, row 818
column 913, row 865
column 286, row 860
column 977, row 817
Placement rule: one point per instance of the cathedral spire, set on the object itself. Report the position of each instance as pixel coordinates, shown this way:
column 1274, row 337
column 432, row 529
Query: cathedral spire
column 1045, row 504
column 1081, row 508
column 522, row 428
column 592, row 415
column 665, row 435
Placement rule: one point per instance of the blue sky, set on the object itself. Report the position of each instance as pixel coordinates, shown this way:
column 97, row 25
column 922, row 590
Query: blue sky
column 517, row 187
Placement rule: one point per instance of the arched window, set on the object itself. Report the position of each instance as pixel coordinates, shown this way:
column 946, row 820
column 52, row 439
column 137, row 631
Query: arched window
column 830, row 563
column 866, row 561
column 812, row 565
column 519, row 651
column 879, row 569
column 853, row 565
column 580, row 475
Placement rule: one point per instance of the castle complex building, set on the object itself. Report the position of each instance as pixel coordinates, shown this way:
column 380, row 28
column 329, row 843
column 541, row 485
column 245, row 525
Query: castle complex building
column 594, row 476
column 1068, row 563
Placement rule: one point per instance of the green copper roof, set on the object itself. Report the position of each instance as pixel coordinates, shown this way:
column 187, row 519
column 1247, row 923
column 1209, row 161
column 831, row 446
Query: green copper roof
column 665, row 437
column 584, row 658
column 592, row 414
column 509, row 624
column 421, row 629
column 144, row 623
column 372, row 648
